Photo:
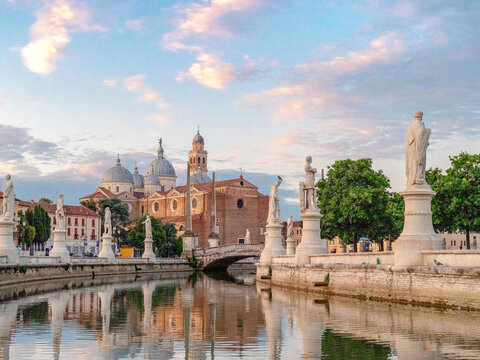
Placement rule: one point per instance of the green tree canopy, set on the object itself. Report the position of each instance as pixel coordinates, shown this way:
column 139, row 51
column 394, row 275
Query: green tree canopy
column 44, row 200
column 89, row 204
column 40, row 220
column 456, row 205
column 136, row 235
column 26, row 232
column 120, row 213
column 354, row 201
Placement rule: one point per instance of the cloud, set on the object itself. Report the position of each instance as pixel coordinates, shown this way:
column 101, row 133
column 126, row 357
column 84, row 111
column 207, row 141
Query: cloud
column 208, row 19
column 109, row 82
column 135, row 24
column 137, row 84
column 50, row 34
column 210, row 72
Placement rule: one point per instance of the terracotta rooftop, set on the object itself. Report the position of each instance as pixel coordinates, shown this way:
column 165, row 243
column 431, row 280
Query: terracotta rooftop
column 69, row 209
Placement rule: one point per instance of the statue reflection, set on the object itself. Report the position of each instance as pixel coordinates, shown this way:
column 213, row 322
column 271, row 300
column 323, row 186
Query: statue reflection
column 8, row 313
column 57, row 304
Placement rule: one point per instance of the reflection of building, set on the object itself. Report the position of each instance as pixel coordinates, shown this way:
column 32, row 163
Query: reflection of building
column 240, row 205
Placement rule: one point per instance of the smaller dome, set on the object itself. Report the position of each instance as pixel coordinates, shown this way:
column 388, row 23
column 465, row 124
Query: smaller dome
column 199, row 178
column 137, row 178
column 117, row 174
column 151, row 180
column 198, row 139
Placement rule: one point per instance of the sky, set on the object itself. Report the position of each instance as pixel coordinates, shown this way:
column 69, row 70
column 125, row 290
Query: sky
column 268, row 82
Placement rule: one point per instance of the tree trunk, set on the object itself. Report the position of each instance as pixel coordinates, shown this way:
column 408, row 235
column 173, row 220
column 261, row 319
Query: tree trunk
column 355, row 241
column 380, row 245
column 467, row 235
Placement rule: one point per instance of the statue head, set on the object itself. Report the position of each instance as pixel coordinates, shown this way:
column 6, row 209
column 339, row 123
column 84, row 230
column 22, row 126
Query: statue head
column 418, row 115
column 279, row 181
column 8, row 177
column 308, row 159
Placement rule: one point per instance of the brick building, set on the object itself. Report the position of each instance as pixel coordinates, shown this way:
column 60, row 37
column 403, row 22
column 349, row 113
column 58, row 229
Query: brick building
column 240, row 206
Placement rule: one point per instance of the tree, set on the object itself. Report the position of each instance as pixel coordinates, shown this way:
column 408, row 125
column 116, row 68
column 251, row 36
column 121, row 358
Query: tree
column 136, row 235
column 89, row 204
column 44, row 200
column 170, row 239
column 40, row 220
column 456, row 205
column 120, row 213
column 353, row 199
column 26, row 232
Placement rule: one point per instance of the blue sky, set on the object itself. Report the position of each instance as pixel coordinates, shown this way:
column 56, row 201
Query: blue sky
column 268, row 82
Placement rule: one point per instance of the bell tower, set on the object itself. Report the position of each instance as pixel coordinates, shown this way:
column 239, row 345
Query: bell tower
column 197, row 157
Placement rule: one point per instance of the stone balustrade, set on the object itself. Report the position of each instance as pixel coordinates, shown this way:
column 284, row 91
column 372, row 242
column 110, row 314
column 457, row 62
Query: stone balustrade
column 456, row 258
column 384, row 257
column 41, row 260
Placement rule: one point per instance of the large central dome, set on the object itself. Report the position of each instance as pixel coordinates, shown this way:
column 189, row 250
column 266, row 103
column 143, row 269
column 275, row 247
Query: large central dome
column 160, row 166
column 117, row 174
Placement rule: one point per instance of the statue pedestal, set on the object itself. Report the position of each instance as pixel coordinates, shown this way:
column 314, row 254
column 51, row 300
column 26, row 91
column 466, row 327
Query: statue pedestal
column 148, row 252
column 107, row 251
column 213, row 240
column 6, row 241
column 188, row 239
column 418, row 234
column 273, row 243
column 312, row 242
column 290, row 246
column 60, row 246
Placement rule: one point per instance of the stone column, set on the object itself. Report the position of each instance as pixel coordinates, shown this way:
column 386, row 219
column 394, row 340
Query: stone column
column 148, row 252
column 188, row 236
column 107, row 251
column 60, row 246
column 418, row 234
column 290, row 246
column 273, row 243
column 7, row 248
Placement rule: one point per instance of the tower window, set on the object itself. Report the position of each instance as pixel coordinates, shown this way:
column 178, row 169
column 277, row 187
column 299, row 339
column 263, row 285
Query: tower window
column 118, row 189
column 199, row 160
column 204, row 160
column 240, row 203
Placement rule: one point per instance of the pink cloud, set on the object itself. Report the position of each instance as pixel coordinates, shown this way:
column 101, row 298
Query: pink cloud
column 137, row 84
column 95, row 169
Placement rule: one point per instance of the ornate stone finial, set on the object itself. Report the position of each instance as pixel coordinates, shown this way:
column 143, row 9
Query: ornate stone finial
column 160, row 148
column 418, row 115
column 118, row 160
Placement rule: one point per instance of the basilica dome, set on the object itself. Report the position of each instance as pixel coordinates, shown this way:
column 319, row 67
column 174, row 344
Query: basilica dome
column 117, row 174
column 160, row 166
column 137, row 178
column 198, row 139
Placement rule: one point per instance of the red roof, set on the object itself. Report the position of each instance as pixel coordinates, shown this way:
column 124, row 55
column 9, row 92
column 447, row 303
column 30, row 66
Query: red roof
column 69, row 210
column 100, row 193
column 208, row 186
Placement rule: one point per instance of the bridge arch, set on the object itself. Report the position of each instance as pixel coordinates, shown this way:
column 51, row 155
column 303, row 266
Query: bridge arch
column 221, row 257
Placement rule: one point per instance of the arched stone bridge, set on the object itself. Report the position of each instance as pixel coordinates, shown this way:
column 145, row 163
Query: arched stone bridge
column 220, row 258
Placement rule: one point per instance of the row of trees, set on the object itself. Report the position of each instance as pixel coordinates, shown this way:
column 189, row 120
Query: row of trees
column 356, row 202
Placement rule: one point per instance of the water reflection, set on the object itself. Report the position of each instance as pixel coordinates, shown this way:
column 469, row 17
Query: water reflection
column 223, row 317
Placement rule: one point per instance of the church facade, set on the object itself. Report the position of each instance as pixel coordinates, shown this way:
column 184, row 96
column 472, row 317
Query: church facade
column 239, row 204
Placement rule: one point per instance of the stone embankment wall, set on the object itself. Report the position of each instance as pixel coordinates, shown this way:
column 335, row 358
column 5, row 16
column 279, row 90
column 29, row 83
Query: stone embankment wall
column 15, row 274
column 440, row 286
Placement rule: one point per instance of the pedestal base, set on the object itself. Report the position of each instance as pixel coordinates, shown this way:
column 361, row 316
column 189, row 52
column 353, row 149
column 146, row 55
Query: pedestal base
column 213, row 242
column 7, row 248
column 312, row 242
column 290, row 247
column 148, row 252
column 107, row 252
column 418, row 234
column 273, row 243
column 188, row 245
column 60, row 246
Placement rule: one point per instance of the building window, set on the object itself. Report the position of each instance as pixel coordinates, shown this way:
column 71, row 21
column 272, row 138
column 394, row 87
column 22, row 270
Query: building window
column 241, row 240
column 451, row 242
column 455, row 242
column 194, row 203
column 93, row 222
column 83, row 232
column 68, row 231
column 261, row 230
column 69, row 221
column 76, row 221
column 118, row 189
column 181, row 228
column 204, row 160
column 242, row 183
column 83, row 222
column 163, row 188
column 155, row 207
column 240, row 203
column 54, row 220
column 143, row 209
column 174, row 205
column 198, row 160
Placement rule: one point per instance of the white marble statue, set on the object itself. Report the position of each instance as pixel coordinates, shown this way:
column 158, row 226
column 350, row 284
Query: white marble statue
column 274, row 215
column 416, row 150
column 148, row 227
column 310, row 200
column 60, row 214
column 290, row 228
column 8, row 211
column 247, row 237
column 107, row 224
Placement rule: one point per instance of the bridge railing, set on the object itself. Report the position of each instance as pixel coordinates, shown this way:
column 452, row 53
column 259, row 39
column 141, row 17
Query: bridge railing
column 227, row 249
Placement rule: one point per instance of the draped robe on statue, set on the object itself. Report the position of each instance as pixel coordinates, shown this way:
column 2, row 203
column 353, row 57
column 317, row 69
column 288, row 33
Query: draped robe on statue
column 416, row 152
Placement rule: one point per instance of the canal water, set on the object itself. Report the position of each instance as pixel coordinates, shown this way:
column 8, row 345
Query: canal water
column 226, row 316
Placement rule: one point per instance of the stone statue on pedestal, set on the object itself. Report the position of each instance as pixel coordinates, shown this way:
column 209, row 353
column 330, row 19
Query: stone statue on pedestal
column 247, row 237
column 274, row 214
column 148, row 227
column 107, row 224
column 8, row 211
column 307, row 188
column 60, row 214
column 416, row 150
